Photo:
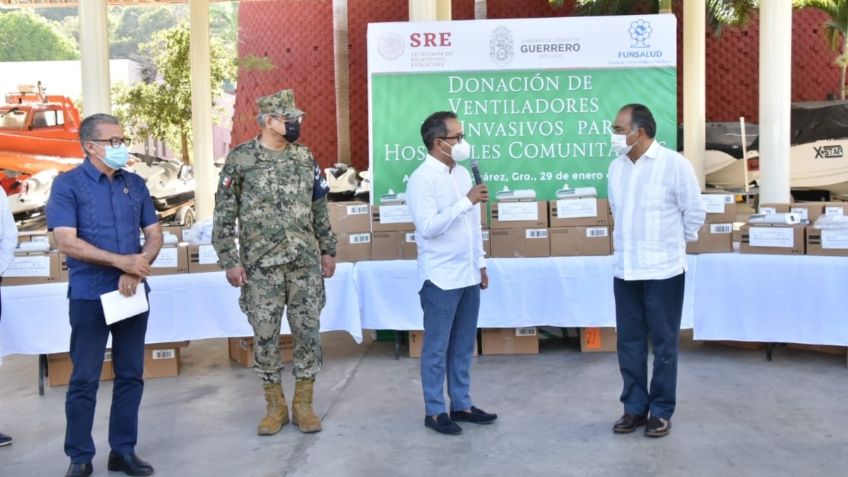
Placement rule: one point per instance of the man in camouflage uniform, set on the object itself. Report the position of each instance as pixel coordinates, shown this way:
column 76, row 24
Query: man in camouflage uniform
column 272, row 188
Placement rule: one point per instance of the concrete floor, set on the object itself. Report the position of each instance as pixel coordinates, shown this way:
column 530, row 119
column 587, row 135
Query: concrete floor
column 738, row 415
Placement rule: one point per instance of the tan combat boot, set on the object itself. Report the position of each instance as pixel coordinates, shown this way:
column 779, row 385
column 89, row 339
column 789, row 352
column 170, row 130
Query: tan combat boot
column 278, row 412
column 302, row 414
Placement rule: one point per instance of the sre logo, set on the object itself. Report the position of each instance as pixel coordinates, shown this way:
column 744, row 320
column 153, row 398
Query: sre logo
column 429, row 39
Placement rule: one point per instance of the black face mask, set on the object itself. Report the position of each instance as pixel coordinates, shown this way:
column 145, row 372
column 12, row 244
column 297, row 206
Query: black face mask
column 292, row 131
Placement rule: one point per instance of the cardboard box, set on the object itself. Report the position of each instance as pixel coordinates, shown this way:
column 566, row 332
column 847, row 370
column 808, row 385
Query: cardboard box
column 162, row 360
column 350, row 217
column 170, row 261
column 520, row 243
column 594, row 340
column 832, row 243
column 176, row 230
column 835, row 208
column 713, row 238
column 32, row 268
column 487, row 242
column 588, row 212
column 391, row 218
column 353, row 247
column 416, row 341
column 580, row 241
column 510, row 341
column 202, row 259
column 827, row 349
column 29, row 236
column 519, row 215
column 774, row 239
column 59, row 368
column 64, row 274
column 809, row 211
column 393, row 246
column 484, row 215
column 773, row 208
column 241, row 350
column 721, row 208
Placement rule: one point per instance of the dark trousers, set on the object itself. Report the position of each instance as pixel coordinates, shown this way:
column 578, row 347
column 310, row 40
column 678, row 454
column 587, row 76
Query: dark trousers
column 648, row 308
column 450, row 327
column 89, row 333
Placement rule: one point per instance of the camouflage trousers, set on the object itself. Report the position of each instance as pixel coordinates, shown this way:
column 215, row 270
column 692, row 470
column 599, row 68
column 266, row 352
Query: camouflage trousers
column 298, row 291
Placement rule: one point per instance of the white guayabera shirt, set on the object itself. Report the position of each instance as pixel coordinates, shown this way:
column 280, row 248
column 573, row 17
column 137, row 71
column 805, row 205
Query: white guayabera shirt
column 447, row 226
column 657, row 206
column 8, row 237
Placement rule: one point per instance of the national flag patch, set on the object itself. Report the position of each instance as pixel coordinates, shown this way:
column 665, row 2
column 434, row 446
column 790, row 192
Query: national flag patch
column 227, row 181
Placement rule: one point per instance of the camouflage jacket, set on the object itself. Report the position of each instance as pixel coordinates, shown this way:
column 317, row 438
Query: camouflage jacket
column 279, row 200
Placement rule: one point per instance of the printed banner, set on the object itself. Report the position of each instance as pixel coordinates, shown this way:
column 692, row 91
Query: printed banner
column 536, row 97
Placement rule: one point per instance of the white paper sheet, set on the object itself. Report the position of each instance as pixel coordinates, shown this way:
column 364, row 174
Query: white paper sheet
column 395, row 214
column 517, row 211
column 167, row 258
column 206, row 255
column 117, row 307
column 714, row 202
column 577, row 208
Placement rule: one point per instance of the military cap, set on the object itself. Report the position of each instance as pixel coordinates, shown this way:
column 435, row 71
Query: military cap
column 281, row 104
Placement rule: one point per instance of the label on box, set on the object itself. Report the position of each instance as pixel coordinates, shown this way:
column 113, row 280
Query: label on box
column 206, row 255
column 833, row 211
column 357, row 209
column 717, row 229
column 167, row 258
column 771, row 237
column 768, row 210
column 360, row 238
column 834, row 239
column 485, row 235
column 536, row 233
column 715, row 202
column 801, row 211
column 592, row 337
column 517, row 211
column 29, row 266
column 529, row 331
column 410, row 237
column 596, row 232
column 577, row 208
column 164, row 354
column 395, row 214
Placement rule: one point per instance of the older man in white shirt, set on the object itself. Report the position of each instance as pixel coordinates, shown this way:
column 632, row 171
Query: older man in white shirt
column 8, row 242
column 445, row 207
column 656, row 202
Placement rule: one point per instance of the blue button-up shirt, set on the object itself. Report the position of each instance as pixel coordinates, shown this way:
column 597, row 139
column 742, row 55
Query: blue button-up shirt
column 108, row 214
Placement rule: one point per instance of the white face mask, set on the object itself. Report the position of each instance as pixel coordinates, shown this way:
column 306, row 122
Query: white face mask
column 619, row 143
column 461, row 151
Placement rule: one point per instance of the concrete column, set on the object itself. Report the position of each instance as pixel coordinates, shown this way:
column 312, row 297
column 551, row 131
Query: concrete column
column 443, row 10
column 94, row 52
column 422, row 10
column 201, row 109
column 342, row 79
column 695, row 84
column 775, row 99
column 480, row 10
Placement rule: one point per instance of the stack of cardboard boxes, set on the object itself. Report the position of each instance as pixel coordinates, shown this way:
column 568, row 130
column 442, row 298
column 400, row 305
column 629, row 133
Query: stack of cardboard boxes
column 393, row 233
column 716, row 235
column 351, row 222
column 580, row 227
column 36, row 261
column 520, row 229
column 773, row 239
column 827, row 242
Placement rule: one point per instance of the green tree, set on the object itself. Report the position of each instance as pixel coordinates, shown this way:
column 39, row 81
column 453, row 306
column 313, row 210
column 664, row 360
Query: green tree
column 25, row 36
column 835, row 31
column 162, row 109
column 136, row 25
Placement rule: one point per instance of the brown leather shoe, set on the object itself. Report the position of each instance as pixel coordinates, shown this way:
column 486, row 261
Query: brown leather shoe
column 657, row 427
column 628, row 423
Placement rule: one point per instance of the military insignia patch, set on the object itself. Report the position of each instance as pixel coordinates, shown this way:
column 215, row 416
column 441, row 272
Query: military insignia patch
column 226, row 181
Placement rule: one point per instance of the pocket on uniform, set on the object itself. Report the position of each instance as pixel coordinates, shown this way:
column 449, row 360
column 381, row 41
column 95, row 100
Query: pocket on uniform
column 653, row 197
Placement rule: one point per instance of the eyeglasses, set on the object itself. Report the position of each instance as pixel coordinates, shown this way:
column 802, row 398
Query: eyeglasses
column 296, row 120
column 458, row 138
column 115, row 141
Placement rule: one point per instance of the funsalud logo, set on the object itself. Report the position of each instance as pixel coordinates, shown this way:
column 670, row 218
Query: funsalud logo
column 640, row 30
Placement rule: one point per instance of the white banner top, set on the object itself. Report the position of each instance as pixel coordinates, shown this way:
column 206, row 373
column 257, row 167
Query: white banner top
column 639, row 41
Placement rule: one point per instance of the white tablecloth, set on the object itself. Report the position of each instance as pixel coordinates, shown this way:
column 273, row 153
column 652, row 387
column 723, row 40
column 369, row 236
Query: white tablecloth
column 182, row 307
column 772, row 298
column 555, row 291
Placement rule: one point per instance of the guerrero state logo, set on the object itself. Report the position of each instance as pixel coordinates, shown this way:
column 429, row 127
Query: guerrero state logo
column 501, row 46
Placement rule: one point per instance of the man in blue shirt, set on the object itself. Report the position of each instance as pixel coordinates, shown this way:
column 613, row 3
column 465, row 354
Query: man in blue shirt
column 95, row 212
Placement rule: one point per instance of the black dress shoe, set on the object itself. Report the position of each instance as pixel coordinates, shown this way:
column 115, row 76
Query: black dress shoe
column 129, row 464
column 628, row 423
column 657, row 427
column 475, row 415
column 79, row 470
column 442, row 424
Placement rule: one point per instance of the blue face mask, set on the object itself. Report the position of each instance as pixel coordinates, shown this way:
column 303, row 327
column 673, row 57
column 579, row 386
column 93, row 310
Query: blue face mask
column 116, row 157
